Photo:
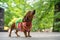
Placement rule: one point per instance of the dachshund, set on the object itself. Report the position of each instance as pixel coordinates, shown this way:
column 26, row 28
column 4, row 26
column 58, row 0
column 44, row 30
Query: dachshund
column 25, row 25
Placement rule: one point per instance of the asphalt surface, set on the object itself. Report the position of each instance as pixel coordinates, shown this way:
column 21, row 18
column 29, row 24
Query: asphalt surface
column 35, row 36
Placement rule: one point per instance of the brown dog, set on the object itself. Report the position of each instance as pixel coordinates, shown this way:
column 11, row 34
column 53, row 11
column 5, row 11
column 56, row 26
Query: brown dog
column 26, row 24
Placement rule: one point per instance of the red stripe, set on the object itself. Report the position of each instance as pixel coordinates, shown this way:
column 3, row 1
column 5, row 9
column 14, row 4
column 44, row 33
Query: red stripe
column 25, row 25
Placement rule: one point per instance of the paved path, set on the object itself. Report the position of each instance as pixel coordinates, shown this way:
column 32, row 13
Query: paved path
column 35, row 36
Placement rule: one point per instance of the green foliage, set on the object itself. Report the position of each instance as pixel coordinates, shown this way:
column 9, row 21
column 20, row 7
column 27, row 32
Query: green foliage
column 44, row 14
column 57, row 22
column 18, row 8
column 57, row 15
column 57, row 19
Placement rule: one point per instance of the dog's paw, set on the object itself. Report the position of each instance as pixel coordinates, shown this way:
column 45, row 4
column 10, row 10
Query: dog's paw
column 9, row 35
column 29, row 36
column 18, row 36
column 26, row 36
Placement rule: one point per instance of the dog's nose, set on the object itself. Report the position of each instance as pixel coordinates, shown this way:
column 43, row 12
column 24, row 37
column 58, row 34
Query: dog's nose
column 33, row 11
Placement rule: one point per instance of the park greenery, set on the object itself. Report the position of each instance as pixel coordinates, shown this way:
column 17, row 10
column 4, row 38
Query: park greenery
column 44, row 17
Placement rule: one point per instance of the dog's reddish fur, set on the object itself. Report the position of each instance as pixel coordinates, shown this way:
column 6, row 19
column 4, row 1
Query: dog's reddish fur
column 27, row 18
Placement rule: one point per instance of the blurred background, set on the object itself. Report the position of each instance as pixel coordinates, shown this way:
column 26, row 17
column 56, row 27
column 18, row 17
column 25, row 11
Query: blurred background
column 47, row 17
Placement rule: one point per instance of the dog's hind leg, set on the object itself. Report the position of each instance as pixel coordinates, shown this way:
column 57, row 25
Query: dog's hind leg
column 17, row 33
column 10, row 32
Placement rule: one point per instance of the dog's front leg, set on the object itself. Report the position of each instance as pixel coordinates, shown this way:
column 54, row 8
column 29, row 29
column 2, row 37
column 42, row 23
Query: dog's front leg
column 25, row 33
column 29, row 34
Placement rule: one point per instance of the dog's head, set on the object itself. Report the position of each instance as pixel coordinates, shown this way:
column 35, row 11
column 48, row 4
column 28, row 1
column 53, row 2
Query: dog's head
column 29, row 16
